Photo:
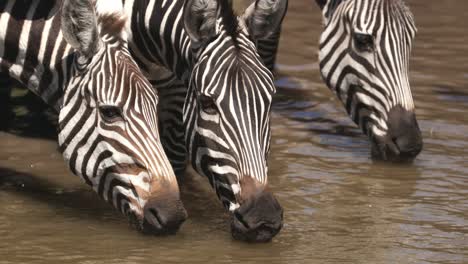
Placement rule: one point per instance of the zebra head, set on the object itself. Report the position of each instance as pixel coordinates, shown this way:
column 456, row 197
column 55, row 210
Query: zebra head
column 227, row 110
column 364, row 57
column 108, row 129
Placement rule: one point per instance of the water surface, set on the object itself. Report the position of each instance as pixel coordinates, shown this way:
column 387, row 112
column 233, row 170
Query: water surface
column 340, row 206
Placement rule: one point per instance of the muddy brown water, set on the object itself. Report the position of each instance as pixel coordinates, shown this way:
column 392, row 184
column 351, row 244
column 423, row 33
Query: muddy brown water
column 340, row 207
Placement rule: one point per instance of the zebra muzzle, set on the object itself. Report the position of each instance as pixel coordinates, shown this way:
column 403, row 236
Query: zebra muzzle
column 163, row 212
column 162, row 217
column 258, row 219
column 403, row 141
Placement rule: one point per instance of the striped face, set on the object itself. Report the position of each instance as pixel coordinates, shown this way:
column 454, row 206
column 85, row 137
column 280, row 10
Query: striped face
column 364, row 57
column 227, row 119
column 109, row 133
column 229, row 110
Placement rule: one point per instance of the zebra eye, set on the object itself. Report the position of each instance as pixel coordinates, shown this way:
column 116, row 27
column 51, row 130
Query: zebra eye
column 110, row 113
column 208, row 105
column 363, row 42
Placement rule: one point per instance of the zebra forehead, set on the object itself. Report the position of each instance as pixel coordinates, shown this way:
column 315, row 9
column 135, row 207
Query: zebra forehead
column 240, row 72
column 385, row 12
column 120, row 81
column 395, row 8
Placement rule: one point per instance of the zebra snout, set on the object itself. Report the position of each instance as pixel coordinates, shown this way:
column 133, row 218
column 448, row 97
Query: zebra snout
column 163, row 215
column 403, row 141
column 259, row 219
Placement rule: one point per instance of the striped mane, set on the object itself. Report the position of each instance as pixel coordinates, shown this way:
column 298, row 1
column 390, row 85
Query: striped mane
column 400, row 9
column 230, row 21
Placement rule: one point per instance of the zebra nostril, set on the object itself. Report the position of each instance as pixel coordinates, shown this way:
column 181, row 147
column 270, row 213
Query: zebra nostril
column 153, row 213
column 403, row 141
column 241, row 220
column 393, row 146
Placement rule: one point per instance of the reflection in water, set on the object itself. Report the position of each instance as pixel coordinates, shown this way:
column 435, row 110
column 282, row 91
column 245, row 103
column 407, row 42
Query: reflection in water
column 340, row 206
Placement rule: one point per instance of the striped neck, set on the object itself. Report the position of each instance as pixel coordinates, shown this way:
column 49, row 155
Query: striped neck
column 157, row 37
column 33, row 51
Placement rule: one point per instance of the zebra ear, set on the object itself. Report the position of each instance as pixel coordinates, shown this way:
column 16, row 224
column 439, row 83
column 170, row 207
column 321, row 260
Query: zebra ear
column 79, row 26
column 264, row 17
column 200, row 20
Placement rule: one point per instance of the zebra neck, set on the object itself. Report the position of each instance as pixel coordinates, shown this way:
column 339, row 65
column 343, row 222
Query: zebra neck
column 158, row 36
column 32, row 49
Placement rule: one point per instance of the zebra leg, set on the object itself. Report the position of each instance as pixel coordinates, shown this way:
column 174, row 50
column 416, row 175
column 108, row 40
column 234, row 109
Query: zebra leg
column 171, row 101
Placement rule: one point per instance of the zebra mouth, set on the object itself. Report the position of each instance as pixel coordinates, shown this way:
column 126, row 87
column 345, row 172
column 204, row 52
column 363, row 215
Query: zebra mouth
column 387, row 149
column 153, row 225
column 258, row 219
column 158, row 217
column 383, row 148
column 398, row 155
column 134, row 221
column 147, row 227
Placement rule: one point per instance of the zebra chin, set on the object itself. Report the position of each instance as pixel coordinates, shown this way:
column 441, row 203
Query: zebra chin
column 403, row 140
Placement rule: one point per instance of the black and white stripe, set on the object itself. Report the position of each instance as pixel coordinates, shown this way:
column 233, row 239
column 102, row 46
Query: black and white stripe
column 226, row 115
column 268, row 49
column 364, row 57
column 74, row 55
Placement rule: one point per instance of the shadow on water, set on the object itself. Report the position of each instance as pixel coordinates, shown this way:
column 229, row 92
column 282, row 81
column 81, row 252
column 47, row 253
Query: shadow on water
column 451, row 93
column 340, row 206
column 299, row 104
column 82, row 201
column 25, row 114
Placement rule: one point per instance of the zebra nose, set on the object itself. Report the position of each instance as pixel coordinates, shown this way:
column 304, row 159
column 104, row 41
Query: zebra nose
column 259, row 219
column 163, row 216
column 404, row 135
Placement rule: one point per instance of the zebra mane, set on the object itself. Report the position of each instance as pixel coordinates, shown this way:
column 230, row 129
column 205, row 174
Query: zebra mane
column 399, row 11
column 399, row 7
column 229, row 18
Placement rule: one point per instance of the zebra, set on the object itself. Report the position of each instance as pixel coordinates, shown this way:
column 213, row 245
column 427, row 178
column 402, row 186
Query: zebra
column 268, row 49
column 364, row 57
column 203, row 60
column 74, row 55
column 364, row 54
